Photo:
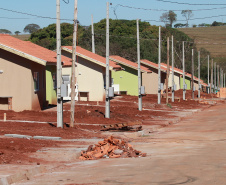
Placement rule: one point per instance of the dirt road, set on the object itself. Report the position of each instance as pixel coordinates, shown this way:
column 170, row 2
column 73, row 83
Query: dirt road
column 191, row 152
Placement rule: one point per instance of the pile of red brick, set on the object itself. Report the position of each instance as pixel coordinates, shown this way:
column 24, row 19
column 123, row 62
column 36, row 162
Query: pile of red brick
column 110, row 148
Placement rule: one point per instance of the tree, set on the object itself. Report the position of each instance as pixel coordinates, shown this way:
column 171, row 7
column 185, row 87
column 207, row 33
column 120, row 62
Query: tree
column 31, row 28
column 168, row 18
column 17, row 32
column 46, row 37
column 187, row 14
column 179, row 25
column 172, row 17
column 215, row 23
column 5, row 31
column 164, row 18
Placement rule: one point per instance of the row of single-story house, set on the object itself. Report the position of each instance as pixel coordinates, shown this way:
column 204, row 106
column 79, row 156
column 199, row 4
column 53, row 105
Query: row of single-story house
column 28, row 75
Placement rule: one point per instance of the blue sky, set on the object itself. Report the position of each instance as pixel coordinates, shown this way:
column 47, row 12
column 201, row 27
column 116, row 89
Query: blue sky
column 14, row 21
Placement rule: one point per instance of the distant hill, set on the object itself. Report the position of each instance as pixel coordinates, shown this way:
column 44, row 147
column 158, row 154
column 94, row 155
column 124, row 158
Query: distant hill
column 22, row 37
column 212, row 39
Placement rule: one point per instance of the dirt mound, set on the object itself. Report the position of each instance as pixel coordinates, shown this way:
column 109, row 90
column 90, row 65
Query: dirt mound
column 110, row 148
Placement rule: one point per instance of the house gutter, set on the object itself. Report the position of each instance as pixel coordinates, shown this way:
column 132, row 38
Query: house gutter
column 24, row 55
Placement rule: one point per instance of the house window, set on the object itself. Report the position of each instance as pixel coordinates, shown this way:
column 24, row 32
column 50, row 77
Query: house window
column 54, row 81
column 36, row 81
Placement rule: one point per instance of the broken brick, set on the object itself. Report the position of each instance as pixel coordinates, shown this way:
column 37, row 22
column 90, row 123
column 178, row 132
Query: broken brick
column 110, row 148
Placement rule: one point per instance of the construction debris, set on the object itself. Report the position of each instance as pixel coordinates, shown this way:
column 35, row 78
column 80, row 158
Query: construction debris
column 110, row 148
column 123, row 126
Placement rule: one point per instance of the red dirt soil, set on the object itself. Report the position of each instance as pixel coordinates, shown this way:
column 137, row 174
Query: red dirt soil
column 88, row 119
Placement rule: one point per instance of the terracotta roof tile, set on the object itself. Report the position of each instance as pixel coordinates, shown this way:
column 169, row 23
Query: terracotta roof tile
column 179, row 71
column 128, row 63
column 152, row 64
column 93, row 56
column 32, row 49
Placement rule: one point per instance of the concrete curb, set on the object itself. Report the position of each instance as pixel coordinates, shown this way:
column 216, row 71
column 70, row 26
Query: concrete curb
column 46, row 137
column 18, row 136
column 22, row 175
column 34, row 137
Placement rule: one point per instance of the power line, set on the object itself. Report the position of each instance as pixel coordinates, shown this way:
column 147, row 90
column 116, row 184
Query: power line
column 214, row 16
column 174, row 2
column 149, row 9
column 12, row 18
column 67, row 2
column 23, row 13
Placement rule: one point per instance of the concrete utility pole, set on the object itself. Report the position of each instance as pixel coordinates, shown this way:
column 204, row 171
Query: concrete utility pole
column 218, row 79
column 59, row 69
column 192, row 74
column 199, row 73
column 173, row 84
column 139, row 73
column 211, row 83
column 93, row 41
column 107, row 102
column 184, row 90
column 208, row 74
column 73, row 82
column 167, row 75
column 159, row 68
column 224, row 80
column 215, row 77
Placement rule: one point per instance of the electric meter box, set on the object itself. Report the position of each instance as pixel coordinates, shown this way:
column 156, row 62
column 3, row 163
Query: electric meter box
column 66, row 79
column 142, row 90
column 111, row 92
column 64, row 90
column 175, row 87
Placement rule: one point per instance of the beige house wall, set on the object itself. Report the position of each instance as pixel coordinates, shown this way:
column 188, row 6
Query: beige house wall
column 151, row 84
column 176, row 80
column 150, row 81
column 196, row 85
column 17, row 81
column 90, row 77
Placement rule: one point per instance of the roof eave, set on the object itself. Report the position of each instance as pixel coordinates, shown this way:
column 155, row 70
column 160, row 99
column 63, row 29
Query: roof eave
column 88, row 58
column 152, row 66
column 24, row 55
